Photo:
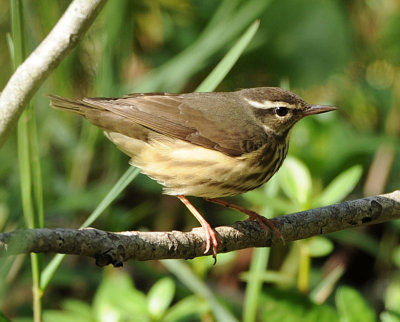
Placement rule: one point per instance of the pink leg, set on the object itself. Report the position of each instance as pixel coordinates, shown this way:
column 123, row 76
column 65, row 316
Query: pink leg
column 264, row 222
column 211, row 236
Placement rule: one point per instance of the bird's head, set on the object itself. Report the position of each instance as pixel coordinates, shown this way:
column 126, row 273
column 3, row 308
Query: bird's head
column 278, row 109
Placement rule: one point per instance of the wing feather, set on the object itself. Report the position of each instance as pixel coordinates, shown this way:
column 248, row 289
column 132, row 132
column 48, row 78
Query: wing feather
column 228, row 129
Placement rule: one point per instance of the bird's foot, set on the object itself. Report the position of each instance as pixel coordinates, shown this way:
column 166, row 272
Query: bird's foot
column 212, row 239
column 263, row 222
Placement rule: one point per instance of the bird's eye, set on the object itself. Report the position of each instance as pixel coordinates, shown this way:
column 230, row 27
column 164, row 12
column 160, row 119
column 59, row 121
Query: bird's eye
column 281, row 110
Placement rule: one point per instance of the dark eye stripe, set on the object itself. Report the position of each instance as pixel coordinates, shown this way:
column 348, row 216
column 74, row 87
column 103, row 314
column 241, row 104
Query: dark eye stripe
column 261, row 112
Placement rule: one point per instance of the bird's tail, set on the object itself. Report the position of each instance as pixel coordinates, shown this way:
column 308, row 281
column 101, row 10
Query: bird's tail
column 77, row 106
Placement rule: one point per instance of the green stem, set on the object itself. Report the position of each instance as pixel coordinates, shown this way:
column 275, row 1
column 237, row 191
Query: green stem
column 254, row 285
column 28, row 157
column 122, row 183
column 303, row 281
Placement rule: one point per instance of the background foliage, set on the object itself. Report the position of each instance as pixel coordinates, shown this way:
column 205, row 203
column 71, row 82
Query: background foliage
column 344, row 53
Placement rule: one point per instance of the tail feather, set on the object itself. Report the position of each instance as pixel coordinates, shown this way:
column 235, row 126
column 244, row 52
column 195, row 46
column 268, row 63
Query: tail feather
column 95, row 111
column 77, row 106
column 71, row 105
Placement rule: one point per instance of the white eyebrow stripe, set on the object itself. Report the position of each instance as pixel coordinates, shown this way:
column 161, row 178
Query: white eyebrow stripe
column 257, row 104
column 266, row 104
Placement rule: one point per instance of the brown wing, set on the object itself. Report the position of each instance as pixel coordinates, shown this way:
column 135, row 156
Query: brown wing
column 212, row 120
column 205, row 119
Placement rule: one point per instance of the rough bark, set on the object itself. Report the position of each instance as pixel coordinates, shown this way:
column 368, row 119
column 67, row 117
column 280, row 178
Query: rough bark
column 115, row 248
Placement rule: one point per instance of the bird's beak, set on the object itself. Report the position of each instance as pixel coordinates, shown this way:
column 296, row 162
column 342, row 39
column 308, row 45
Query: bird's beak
column 318, row 109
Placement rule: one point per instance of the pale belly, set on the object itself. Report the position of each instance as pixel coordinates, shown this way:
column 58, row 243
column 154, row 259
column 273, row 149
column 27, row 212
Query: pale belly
column 185, row 169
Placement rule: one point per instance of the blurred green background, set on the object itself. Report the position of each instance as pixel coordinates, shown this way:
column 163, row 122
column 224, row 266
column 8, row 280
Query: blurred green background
column 343, row 53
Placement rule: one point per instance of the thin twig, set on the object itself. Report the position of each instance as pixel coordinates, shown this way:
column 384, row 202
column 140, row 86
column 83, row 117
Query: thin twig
column 43, row 60
column 115, row 248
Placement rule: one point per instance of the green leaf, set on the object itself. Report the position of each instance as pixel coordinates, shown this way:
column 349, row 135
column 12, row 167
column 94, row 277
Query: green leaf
column 3, row 318
column 388, row 316
column 191, row 308
column 352, row 307
column 340, row 187
column 79, row 307
column 392, row 297
column 203, row 264
column 73, row 310
column 319, row 246
column 63, row 316
column 286, row 305
column 296, row 181
column 160, row 297
column 184, row 274
column 116, row 299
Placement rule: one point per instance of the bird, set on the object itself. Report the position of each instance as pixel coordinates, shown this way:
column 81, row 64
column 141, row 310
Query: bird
column 202, row 144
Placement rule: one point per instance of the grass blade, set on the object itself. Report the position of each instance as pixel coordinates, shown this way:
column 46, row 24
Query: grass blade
column 122, row 183
column 257, row 267
column 197, row 286
column 226, row 64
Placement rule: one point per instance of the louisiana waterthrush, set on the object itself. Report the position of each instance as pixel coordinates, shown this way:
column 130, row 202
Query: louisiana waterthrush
column 208, row 145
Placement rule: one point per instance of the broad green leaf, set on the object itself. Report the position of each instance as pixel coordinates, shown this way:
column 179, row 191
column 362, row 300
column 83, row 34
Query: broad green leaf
column 79, row 307
column 117, row 300
column 203, row 264
column 352, row 307
column 388, row 316
column 392, row 297
column 319, row 246
column 191, row 308
column 340, row 187
column 160, row 297
column 63, row 316
column 296, row 181
column 73, row 310
column 282, row 305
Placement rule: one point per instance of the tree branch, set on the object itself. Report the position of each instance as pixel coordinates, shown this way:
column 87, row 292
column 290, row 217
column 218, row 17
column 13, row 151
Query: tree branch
column 43, row 60
column 115, row 248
